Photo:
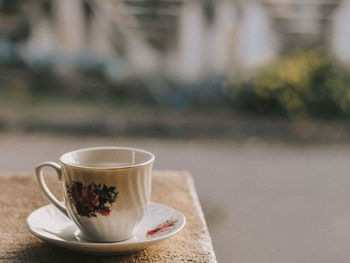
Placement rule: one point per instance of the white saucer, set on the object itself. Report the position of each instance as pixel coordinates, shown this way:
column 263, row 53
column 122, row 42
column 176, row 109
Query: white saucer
column 49, row 224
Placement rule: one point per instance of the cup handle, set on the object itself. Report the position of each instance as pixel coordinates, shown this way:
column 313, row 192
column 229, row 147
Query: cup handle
column 47, row 192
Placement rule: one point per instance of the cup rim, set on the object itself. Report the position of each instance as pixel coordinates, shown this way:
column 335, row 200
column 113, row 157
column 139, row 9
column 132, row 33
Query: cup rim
column 152, row 157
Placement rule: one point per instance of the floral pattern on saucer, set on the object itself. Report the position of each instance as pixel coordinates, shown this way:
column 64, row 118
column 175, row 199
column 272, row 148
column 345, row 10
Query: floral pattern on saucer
column 164, row 227
column 92, row 200
column 49, row 224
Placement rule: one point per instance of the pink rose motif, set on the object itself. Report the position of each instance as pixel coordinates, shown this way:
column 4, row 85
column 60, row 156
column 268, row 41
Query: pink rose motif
column 105, row 211
column 89, row 198
column 86, row 203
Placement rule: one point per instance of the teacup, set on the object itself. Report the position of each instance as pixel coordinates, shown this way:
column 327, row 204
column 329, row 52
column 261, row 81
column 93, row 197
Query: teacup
column 106, row 190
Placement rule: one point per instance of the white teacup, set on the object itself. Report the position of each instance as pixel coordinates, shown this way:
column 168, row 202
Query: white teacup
column 106, row 190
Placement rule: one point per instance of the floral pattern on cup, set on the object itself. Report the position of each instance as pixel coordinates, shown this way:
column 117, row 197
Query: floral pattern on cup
column 92, row 200
column 164, row 227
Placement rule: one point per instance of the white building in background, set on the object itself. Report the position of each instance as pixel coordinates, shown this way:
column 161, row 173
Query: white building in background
column 181, row 40
column 62, row 33
column 177, row 39
column 257, row 43
column 340, row 37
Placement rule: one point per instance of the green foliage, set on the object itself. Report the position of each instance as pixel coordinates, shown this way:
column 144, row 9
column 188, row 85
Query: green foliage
column 105, row 194
column 299, row 85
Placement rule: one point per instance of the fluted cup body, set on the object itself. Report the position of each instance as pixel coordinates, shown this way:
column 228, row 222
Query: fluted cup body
column 107, row 190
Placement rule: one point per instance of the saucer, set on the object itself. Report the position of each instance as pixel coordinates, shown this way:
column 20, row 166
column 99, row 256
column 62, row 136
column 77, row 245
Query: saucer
column 160, row 222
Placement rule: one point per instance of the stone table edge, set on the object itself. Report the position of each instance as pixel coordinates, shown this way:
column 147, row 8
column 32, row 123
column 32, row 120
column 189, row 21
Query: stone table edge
column 193, row 193
column 196, row 201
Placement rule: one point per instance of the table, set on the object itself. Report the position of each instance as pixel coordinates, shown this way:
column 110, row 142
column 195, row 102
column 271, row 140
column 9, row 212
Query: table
column 20, row 194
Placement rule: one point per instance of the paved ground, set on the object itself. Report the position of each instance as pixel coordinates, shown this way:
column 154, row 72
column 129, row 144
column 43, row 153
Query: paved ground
column 264, row 202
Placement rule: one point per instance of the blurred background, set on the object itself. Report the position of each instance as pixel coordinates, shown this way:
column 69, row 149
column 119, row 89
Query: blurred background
column 250, row 96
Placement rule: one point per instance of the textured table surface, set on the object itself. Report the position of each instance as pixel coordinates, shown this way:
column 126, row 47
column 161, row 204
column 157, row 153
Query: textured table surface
column 20, row 194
